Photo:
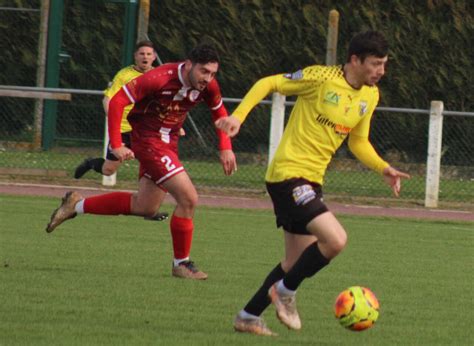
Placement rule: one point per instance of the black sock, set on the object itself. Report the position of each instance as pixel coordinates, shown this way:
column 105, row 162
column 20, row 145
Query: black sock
column 260, row 300
column 310, row 262
column 96, row 164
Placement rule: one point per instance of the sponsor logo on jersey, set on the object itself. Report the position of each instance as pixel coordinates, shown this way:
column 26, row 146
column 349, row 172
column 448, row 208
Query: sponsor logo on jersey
column 362, row 108
column 303, row 194
column 295, row 75
column 332, row 97
column 340, row 129
column 167, row 92
column 347, row 109
column 193, row 95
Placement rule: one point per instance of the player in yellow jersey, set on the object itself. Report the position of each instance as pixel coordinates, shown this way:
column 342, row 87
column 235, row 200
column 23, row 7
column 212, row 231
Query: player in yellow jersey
column 144, row 56
column 334, row 102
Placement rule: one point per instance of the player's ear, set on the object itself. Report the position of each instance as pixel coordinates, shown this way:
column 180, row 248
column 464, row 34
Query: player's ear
column 355, row 60
column 188, row 64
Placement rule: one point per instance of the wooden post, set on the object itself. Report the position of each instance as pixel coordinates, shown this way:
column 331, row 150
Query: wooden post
column 331, row 49
column 40, row 73
column 143, row 20
column 433, row 164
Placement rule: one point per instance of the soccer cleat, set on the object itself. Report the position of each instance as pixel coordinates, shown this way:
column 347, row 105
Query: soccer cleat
column 187, row 270
column 285, row 308
column 158, row 217
column 65, row 211
column 82, row 168
column 255, row 326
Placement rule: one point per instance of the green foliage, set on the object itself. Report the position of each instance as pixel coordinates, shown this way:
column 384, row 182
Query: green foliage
column 430, row 58
column 106, row 280
column 431, row 54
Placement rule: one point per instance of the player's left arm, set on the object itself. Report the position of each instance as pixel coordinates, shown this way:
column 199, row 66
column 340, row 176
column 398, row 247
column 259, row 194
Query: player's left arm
column 218, row 110
column 363, row 150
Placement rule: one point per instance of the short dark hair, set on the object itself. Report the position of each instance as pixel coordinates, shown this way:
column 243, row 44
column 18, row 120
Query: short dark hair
column 144, row 43
column 203, row 54
column 368, row 43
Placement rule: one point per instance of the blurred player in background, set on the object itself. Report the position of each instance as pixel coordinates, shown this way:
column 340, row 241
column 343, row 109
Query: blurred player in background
column 144, row 56
column 333, row 102
column 162, row 99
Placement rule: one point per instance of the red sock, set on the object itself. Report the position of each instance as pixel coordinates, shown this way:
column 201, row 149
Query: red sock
column 182, row 235
column 114, row 203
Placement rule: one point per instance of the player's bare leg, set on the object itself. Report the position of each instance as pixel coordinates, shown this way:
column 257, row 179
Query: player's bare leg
column 181, row 225
column 305, row 256
column 148, row 198
column 151, row 196
column 108, row 167
column 283, row 299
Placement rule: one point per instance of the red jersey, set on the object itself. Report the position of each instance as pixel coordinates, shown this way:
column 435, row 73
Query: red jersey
column 162, row 101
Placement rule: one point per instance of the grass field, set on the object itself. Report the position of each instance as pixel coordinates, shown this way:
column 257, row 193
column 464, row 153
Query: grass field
column 106, row 280
column 355, row 183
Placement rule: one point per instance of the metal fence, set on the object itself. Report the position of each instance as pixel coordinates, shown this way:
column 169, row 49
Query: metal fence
column 400, row 137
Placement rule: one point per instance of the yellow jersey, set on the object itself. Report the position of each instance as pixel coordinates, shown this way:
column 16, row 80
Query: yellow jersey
column 122, row 77
column 326, row 111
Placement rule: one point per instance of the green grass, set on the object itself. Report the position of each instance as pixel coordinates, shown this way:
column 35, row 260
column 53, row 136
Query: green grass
column 106, row 280
column 249, row 176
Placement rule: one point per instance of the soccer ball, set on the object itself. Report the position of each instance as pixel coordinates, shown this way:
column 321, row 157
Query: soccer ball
column 357, row 308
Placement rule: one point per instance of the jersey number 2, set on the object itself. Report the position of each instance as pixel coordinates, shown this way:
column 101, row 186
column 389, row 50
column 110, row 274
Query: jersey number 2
column 168, row 163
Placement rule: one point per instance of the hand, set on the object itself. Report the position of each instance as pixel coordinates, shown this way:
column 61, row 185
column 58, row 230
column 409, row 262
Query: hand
column 123, row 153
column 181, row 132
column 393, row 178
column 228, row 161
column 230, row 125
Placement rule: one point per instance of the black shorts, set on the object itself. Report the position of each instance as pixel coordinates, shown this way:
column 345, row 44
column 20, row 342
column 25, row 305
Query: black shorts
column 296, row 202
column 126, row 139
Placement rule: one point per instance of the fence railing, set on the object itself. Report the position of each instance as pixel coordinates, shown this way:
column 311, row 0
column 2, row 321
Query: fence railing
column 279, row 112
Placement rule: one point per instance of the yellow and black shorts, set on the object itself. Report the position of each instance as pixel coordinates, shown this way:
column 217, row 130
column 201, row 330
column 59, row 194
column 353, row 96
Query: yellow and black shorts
column 296, row 202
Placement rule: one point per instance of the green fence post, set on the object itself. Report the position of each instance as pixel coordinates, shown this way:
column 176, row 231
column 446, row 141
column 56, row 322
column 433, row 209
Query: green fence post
column 130, row 27
column 52, row 70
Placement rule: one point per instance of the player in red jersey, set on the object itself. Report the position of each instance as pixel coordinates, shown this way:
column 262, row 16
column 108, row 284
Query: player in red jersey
column 162, row 98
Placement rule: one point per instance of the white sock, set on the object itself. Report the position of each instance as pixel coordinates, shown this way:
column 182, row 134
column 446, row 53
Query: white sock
column 176, row 262
column 246, row 316
column 281, row 288
column 79, row 207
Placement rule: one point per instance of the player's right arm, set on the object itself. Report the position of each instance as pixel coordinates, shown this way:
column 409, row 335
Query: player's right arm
column 231, row 124
column 286, row 84
column 132, row 92
column 114, row 116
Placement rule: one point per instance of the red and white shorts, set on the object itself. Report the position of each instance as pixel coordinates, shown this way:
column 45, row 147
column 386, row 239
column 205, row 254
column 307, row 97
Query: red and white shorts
column 158, row 160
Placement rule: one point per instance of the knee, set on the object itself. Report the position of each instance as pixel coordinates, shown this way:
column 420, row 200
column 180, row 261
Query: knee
column 333, row 245
column 189, row 201
column 338, row 243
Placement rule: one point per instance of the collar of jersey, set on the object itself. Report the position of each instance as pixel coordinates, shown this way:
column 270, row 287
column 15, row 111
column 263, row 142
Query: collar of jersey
column 180, row 76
